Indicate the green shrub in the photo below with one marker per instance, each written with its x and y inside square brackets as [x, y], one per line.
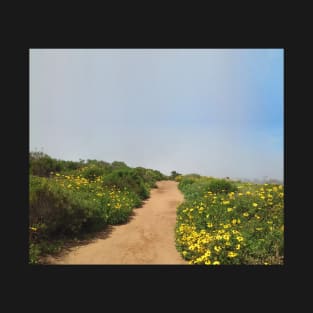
[221, 186]
[70, 199]
[185, 181]
[127, 179]
[58, 211]
[117, 165]
[91, 172]
[173, 175]
[149, 176]
[34, 253]
[242, 226]
[41, 164]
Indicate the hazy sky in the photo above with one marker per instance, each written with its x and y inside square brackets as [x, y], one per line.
[216, 112]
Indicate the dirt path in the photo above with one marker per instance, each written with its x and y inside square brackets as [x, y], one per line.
[148, 238]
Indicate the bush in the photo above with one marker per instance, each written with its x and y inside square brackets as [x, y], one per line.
[41, 164]
[173, 175]
[149, 176]
[128, 179]
[244, 226]
[56, 211]
[221, 186]
[185, 181]
[93, 171]
[70, 199]
[34, 253]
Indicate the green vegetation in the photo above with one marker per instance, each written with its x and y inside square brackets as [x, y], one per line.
[68, 199]
[173, 175]
[225, 222]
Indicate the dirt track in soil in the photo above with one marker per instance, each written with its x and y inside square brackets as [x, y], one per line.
[148, 238]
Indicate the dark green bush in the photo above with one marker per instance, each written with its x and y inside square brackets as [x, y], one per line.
[185, 182]
[91, 172]
[58, 212]
[41, 164]
[173, 175]
[117, 165]
[79, 198]
[127, 179]
[221, 186]
[34, 253]
[149, 176]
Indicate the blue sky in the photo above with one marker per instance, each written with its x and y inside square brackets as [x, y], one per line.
[216, 112]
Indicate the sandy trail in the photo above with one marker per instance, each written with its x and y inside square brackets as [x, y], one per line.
[148, 238]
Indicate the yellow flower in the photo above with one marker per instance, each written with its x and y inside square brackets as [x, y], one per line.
[255, 204]
[239, 238]
[210, 225]
[232, 254]
[258, 228]
[226, 237]
[238, 246]
[33, 228]
[257, 216]
[248, 193]
[216, 263]
[207, 262]
[245, 214]
[207, 253]
[217, 248]
[226, 202]
[229, 209]
[57, 174]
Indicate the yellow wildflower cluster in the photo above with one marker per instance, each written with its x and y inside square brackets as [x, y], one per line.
[224, 228]
[110, 200]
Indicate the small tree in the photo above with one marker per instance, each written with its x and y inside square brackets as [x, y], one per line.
[174, 174]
